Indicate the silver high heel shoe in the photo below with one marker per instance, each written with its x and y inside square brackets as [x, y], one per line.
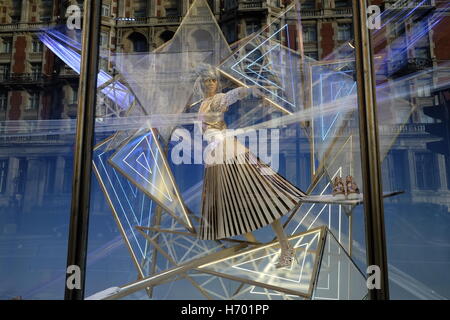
[286, 258]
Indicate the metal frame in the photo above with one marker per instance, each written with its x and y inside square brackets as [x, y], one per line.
[370, 153]
[79, 217]
[153, 131]
[200, 266]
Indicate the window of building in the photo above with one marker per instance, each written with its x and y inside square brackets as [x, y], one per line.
[68, 170]
[202, 39]
[230, 4]
[395, 172]
[345, 32]
[106, 10]
[36, 45]
[309, 34]
[403, 90]
[276, 30]
[422, 52]
[4, 71]
[171, 12]
[36, 70]
[103, 64]
[424, 86]
[313, 55]
[6, 45]
[140, 8]
[202, 11]
[342, 3]
[104, 39]
[427, 177]
[252, 26]
[50, 176]
[3, 101]
[46, 10]
[166, 35]
[33, 101]
[399, 29]
[74, 95]
[308, 4]
[398, 55]
[16, 11]
[3, 174]
[139, 41]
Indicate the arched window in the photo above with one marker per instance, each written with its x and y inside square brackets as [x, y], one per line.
[202, 39]
[166, 35]
[139, 41]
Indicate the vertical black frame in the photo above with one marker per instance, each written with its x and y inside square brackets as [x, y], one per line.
[84, 141]
[370, 152]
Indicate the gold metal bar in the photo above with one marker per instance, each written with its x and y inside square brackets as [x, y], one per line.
[157, 219]
[168, 257]
[183, 268]
[119, 224]
[255, 283]
[318, 260]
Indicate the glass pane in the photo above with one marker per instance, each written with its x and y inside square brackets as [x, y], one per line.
[204, 214]
[37, 132]
[412, 60]
[339, 277]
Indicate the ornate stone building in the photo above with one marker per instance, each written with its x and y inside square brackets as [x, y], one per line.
[36, 85]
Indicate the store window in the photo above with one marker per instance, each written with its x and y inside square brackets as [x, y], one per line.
[148, 212]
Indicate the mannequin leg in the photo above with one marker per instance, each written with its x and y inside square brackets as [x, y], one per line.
[279, 231]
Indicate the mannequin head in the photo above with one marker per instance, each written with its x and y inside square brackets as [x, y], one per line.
[208, 80]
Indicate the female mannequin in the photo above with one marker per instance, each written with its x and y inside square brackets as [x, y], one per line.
[240, 193]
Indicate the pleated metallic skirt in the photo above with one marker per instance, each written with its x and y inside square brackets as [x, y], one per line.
[243, 194]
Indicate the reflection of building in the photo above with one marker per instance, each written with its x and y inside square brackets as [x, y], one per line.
[34, 84]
